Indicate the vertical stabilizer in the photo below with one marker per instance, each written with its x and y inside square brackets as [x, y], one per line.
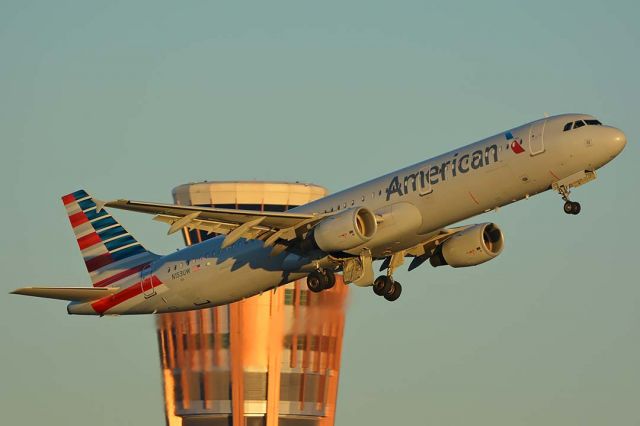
[109, 251]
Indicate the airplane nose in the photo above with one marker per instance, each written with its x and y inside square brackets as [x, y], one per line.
[617, 141]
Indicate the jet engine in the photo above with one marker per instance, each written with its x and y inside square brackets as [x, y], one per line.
[472, 246]
[345, 230]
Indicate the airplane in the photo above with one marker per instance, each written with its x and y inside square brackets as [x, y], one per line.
[403, 214]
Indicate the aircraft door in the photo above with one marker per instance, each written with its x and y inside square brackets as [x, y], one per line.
[146, 282]
[536, 138]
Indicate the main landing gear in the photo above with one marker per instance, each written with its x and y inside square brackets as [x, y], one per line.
[388, 288]
[385, 285]
[570, 207]
[322, 279]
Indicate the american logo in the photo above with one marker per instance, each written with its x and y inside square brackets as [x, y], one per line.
[515, 144]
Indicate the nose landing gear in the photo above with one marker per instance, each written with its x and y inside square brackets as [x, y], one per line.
[563, 187]
[570, 207]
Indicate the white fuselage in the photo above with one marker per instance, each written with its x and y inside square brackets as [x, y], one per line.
[413, 203]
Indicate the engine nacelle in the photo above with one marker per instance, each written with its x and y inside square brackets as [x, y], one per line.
[473, 246]
[345, 230]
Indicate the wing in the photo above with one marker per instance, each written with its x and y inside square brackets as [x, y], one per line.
[236, 224]
[73, 294]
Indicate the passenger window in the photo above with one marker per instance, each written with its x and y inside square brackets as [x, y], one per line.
[363, 198]
[567, 127]
[578, 123]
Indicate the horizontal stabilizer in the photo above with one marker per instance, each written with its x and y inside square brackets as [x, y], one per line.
[73, 294]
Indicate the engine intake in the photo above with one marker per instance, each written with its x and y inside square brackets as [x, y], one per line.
[345, 230]
[472, 246]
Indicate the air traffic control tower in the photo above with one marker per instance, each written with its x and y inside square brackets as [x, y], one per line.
[272, 359]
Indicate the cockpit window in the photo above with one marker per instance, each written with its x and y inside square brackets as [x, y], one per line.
[581, 123]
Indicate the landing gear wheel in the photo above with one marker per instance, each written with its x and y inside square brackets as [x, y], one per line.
[576, 207]
[572, 207]
[568, 207]
[316, 281]
[382, 285]
[330, 278]
[394, 293]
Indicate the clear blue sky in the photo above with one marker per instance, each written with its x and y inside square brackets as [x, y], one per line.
[128, 99]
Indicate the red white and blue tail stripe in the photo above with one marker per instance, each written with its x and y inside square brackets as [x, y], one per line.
[110, 253]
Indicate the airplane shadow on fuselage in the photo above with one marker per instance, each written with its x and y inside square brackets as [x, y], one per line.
[243, 253]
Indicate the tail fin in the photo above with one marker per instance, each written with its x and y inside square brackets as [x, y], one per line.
[109, 251]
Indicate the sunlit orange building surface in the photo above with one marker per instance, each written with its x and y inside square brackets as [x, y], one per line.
[272, 359]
